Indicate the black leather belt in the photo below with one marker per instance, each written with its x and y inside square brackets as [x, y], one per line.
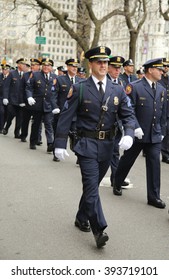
[100, 134]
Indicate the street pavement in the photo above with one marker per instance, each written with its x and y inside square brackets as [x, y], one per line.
[39, 200]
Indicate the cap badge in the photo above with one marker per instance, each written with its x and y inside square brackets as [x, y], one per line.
[102, 49]
[118, 59]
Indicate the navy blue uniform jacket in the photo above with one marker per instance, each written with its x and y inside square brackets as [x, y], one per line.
[13, 88]
[44, 92]
[62, 88]
[150, 111]
[88, 114]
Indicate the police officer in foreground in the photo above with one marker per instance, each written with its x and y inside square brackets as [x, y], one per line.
[165, 83]
[96, 101]
[149, 101]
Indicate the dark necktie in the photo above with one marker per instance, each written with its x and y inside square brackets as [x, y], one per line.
[153, 88]
[72, 82]
[46, 77]
[129, 78]
[115, 81]
[101, 88]
[20, 74]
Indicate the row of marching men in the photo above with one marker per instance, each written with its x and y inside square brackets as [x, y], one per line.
[33, 95]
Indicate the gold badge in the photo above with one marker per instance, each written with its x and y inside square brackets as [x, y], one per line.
[39, 82]
[54, 82]
[70, 93]
[118, 59]
[116, 100]
[128, 89]
[102, 49]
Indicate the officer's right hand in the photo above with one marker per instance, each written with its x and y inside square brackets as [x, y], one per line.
[61, 153]
[126, 142]
[138, 133]
[31, 101]
[5, 101]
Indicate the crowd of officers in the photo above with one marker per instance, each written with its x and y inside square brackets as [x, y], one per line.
[108, 110]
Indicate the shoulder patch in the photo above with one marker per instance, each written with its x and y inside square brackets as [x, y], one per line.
[70, 93]
[128, 89]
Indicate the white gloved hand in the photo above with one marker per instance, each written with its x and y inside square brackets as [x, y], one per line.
[5, 101]
[61, 153]
[162, 137]
[138, 133]
[22, 104]
[126, 142]
[31, 101]
[56, 111]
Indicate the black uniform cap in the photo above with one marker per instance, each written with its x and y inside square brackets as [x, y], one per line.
[99, 53]
[154, 63]
[81, 70]
[5, 66]
[22, 61]
[128, 62]
[47, 61]
[35, 61]
[165, 62]
[72, 62]
[116, 61]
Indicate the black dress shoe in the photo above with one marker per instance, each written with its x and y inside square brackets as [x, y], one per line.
[56, 159]
[39, 143]
[166, 160]
[83, 226]
[117, 190]
[5, 131]
[32, 147]
[17, 136]
[125, 184]
[50, 148]
[101, 238]
[157, 203]
[23, 139]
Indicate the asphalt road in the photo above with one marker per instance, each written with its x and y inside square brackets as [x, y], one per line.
[39, 200]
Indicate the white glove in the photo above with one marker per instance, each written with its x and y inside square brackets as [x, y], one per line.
[56, 111]
[138, 133]
[31, 101]
[22, 104]
[162, 137]
[5, 101]
[61, 153]
[126, 142]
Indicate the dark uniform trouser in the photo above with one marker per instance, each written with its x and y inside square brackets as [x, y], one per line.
[14, 111]
[36, 123]
[116, 156]
[165, 143]
[90, 205]
[25, 123]
[152, 167]
[2, 113]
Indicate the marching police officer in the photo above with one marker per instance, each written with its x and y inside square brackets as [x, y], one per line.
[114, 68]
[96, 101]
[27, 110]
[165, 83]
[12, 97]
[63, 85]
[149, 101]
[41, 96]
[128, 76]
[3, 76]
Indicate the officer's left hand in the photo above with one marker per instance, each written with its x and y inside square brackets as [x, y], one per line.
[61, 153]
[22, 104]
[126, 142]
[56, 111]
[138, 133]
